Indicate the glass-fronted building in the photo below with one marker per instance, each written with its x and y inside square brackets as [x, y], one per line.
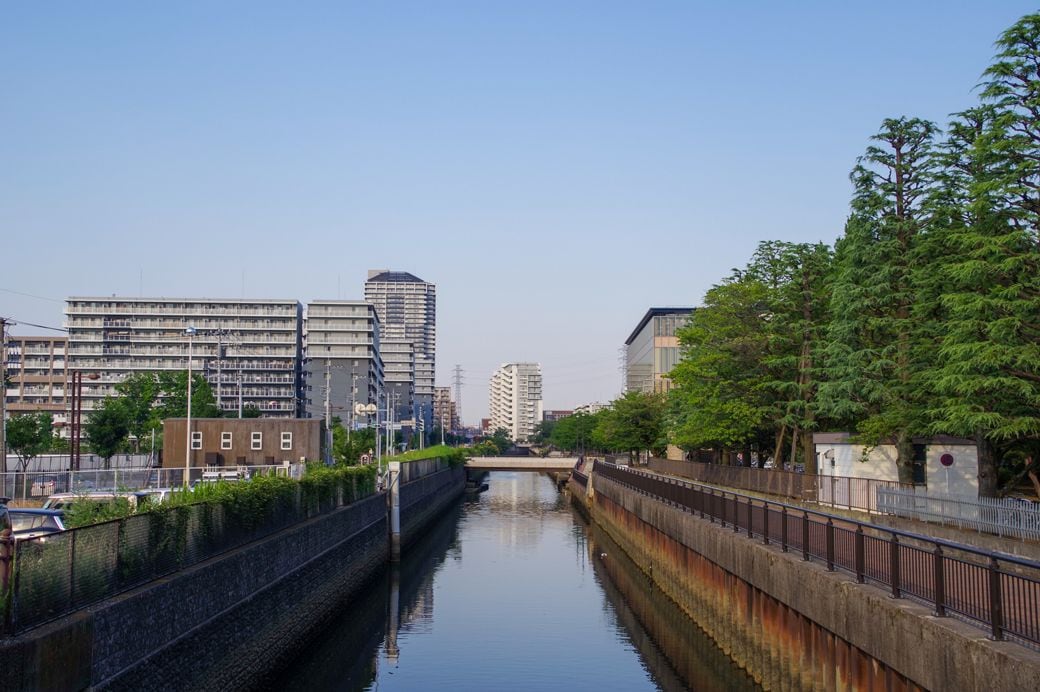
[652, 350]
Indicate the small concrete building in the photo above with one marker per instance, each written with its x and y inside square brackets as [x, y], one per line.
[948, 465]
[241, 441]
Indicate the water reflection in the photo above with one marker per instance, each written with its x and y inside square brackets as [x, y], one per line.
[530, 604]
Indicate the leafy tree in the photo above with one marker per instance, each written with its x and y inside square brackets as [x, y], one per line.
[576, 432]
[107, 428]
[250, 411]
[718, 400]
[500, 438]
[876, 350]
[349, 451]
[29, 435]
[173, 401]
[989, 370]
[543, 432]
[634, 423]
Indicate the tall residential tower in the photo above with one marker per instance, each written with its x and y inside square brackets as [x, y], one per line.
[407, 309]
[516, 399]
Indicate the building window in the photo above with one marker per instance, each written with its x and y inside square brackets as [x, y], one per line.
[286, 440]
[196, 440]
[257, 441]
[225, 440]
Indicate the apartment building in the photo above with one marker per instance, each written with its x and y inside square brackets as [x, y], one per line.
[652, 350]
[553, 416]
[248, 349]
[341, 355]
[36, 376]
[407, 309]
[516, 399]
[399, 361]
[445, 413]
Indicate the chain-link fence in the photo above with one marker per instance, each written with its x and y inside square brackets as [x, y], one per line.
[35, 487]
[58, 573]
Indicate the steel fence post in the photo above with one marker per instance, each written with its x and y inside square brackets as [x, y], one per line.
[996, 601]
[750, 517]
[805, 535]
[893, 566]
[939, 575]
[783, 528]
[830, 544]
[765, 522]
[861, 555]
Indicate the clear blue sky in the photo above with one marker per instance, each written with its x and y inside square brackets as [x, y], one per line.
[555, 168]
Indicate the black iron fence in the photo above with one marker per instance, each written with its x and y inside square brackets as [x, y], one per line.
[834, 491]
[996, 591]
[48, 576]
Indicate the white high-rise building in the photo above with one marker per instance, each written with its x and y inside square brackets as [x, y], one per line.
[516, 399]
[407, 309]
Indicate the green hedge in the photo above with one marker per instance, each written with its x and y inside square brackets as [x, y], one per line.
[453, 455]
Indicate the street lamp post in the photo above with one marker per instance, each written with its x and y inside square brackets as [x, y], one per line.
[190, 332]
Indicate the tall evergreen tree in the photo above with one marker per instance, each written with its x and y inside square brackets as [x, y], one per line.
[989, 372]
[875, 352]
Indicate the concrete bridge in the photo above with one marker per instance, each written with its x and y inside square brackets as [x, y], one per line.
[539, 464]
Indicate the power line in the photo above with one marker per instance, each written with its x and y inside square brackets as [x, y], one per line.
[11, 320]
[31, 295]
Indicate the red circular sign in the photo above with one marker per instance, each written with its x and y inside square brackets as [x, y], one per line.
[946, 460]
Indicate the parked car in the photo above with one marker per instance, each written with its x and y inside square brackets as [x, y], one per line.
[31, 523]
[66, 500]
[152, 495]
[44, 485]
[5, 519]
[217, 477]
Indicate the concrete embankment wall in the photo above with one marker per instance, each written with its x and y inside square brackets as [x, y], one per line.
[424, 498]
[225, 623]
[792, 624]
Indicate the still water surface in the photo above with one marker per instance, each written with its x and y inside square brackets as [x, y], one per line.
[512, 590]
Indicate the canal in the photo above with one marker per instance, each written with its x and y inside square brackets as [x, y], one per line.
[512, 590]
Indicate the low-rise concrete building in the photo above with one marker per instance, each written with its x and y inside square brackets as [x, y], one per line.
[948, 465]
[241, 441]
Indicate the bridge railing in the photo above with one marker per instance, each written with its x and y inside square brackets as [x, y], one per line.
[996, 591]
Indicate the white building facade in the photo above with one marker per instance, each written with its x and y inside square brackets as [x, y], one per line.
[249, 350]
[516, 399]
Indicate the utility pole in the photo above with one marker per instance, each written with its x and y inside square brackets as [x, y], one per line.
[3, 395]
[458, 394]
[353, 401]
[328, 412]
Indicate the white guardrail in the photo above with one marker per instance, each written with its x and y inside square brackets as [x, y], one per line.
[1002, 516]
[39, 485]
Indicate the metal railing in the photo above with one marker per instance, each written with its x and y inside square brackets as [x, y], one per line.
[56, 574]
[36, 486]
[996, 591]
[1002, 516]
[842, 492]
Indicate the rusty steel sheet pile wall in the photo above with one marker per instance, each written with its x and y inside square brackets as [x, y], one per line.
[792, 623]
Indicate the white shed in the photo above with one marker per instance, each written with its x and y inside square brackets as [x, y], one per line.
[949, 465]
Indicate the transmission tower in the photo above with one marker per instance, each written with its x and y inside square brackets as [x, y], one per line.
[457, 383]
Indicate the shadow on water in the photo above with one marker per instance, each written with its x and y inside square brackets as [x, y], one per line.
[345, 655]
[676, 652]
